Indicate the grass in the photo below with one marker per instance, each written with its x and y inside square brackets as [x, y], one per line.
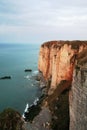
[58, 44]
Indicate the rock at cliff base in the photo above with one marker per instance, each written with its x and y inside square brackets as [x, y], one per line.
[27, 70]
[5, 77]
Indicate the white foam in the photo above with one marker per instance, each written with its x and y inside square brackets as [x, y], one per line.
[32, 84]
[36, 100]
[23, 116]
[27, 77]
[35, 72]
[26, 108]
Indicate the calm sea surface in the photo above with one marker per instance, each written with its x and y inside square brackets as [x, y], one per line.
[22, 88]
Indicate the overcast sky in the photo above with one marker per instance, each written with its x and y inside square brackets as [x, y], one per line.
[36, 21]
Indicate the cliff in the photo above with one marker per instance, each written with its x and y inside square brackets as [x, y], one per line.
[64, 67]
[57, 60]
[78, 94]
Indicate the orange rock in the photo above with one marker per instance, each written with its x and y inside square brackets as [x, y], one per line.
[57, 59]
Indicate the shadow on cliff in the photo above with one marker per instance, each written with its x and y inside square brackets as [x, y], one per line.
[58, 103]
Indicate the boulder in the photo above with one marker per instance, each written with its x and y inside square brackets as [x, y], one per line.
[27, 70]
[5, 77]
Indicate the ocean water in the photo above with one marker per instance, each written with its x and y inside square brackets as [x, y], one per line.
[22, 88]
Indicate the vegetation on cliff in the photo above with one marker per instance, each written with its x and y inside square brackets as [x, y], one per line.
[58, 44]
[82, 57]
[60, 112]
[10, 120]
[58, 103]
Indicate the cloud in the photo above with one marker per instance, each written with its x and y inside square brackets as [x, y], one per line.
[30, 20]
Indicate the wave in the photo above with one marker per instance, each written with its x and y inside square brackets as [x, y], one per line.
[27, 76]
[26, 110]
[27, 107]
[35, 72]
[36, 101]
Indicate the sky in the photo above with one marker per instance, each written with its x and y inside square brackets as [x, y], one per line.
[37, 21]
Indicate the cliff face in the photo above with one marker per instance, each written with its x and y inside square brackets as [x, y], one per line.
[78, 94]
[57, 58]
[65, 64]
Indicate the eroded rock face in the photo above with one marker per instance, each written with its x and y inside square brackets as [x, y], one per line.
[57, 59]
[78, 94]
[57, 62]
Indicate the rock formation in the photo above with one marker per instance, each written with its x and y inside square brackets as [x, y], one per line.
[57, 59]
[10, 120]
[57, 62]
[78, 94]
[63, 65]
[5, 77]
[27, 70]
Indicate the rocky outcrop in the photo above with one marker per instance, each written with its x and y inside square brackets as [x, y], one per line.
[5, 77]
[27, 70]
[57, 59]
[78, 94]
[10, 120]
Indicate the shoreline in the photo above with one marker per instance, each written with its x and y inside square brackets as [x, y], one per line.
[52, 109]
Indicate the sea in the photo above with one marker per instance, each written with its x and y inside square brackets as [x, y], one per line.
[22, 88]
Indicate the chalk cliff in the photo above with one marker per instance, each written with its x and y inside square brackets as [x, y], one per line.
[57, 59]
[78, 94]
[64, 63]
